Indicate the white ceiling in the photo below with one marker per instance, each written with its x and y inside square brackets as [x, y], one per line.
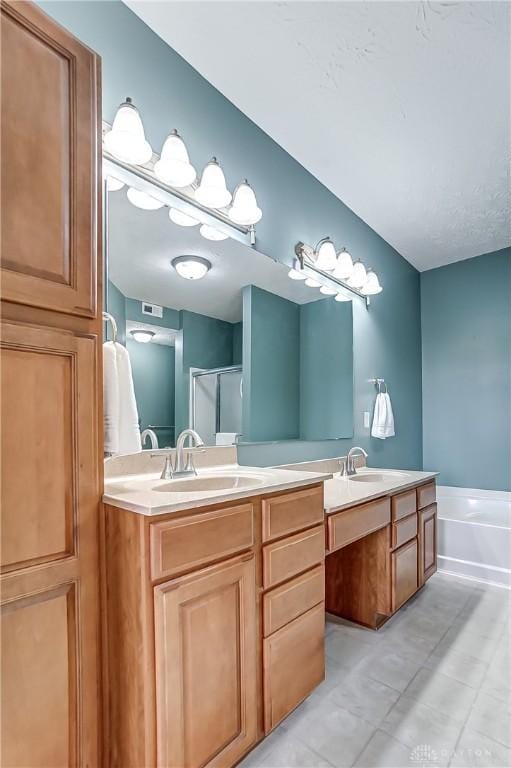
[400, 108]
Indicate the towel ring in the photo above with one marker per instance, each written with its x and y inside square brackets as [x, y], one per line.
[108, 318]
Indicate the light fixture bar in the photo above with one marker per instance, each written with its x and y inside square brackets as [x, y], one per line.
[144, 178]
[305, 262]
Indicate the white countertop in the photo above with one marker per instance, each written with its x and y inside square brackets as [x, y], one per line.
[341, 493]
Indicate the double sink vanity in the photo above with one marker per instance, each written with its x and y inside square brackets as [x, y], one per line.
[217, 586]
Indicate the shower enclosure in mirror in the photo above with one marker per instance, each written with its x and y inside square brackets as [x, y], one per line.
[222, 341]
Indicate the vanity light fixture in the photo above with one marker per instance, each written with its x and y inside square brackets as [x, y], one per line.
[191, 267]
[311, 283]
[327, 290]
[126, 139]
[174, 165]
[344, 265]
[372, 285]
[142, 336]
[211, 233]
[325, 255]
[358, 276]
[142, 200]
[212, 190]
[113, 184]
[244, 209]
[342, 297]
[297, 274]
[181, 218]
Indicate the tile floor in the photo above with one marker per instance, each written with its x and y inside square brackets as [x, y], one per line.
[431, 688]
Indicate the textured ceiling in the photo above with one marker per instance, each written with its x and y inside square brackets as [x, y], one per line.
[402, 109]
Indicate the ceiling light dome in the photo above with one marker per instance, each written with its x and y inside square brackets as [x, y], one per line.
[326, 257]
[244, 209]
[143, 336]
[143, 200]
[183, 219]
[174, 167]
[344, 265]
[358, 276]
[372, 285]
[212, 190]
[211, 233]
[297, 274]
[126, 139]
[191, 267]
[311, 283]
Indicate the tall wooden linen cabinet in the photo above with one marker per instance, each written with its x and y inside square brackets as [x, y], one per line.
[51, 449]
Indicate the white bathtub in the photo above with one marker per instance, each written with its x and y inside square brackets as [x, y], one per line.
[474, 534]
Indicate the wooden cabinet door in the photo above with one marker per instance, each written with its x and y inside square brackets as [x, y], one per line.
[405, 573]
[49, 564]
[427, 542]
[49, 148]
[206, 695]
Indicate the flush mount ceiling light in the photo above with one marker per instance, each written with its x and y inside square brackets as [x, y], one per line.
[244, 209]
[174, 165]
[126, 140]
[143, 200]
[372, 285]
[326, 257]
[212, 190]
[358, 276]
[191, 267]
[327, 290]
[297, 274]
[311, 283]
[344, 265]
[183, 219]
[211, 233]
[142, 336]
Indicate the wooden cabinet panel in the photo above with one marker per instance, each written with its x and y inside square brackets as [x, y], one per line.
[356, 522]
[284, 559]
[427, 542]
[404, 504]
[404, 530]
[206, 665]
[292, 512]
[190, 542]
[293, 665]
[290, 600]
[405, 580]
[49, 180]
[426, 495]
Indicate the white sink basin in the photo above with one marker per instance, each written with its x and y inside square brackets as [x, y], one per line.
[210, 483]
[377, 477]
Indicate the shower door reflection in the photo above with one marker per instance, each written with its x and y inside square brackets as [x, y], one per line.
[215, 406]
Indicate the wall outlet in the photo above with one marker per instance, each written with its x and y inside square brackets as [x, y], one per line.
[367, 419]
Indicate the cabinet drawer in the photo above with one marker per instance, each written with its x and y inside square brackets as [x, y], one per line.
[190, 542]
[292, 512]
[426, 495]
[404, 504]
[293, 665]
[404, 530]
[352, 524]
[405, 581]
[284, 559]
[287, 602]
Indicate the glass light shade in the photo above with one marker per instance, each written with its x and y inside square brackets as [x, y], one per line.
[358, 276]
[210, 233]
[174, 167]
[311, 283]
[113, 184]
[244, 209]
[326, 257]
[191, 267]
[143, 336]
[126, 140]
[183, 219]
[297, 274]
[342, 297]
[143, 200]
[212, 191]
[372, 285]
[327, 291]
[344, 266]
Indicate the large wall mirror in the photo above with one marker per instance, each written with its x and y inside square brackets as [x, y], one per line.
[243, 354]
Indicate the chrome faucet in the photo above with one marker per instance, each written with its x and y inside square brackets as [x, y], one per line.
[348, 467]
[180, 468]
[152, 437]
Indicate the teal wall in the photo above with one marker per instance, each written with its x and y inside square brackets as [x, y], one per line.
[153, 369]
[326, 370]
[271, 367]
[237, 343]
[466, 370]
[296, 206]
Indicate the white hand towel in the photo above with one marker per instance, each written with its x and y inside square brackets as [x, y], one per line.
[383, 417]
[129, 430]
[226, 438]
[110, 398]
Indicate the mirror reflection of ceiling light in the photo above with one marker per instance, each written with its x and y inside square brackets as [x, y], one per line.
[327, 290]
[113, 184]
[212, 190]
[372, 285]
[211, 233]
[183, 219]
[342, 297]
[358, 276]
[142, 336]
[311, 283]
[126, 140]
[191, 267]
[344, 265]
[326, 257]
[174, 167]
[297, 274]
[143, 200]
[244, 209]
